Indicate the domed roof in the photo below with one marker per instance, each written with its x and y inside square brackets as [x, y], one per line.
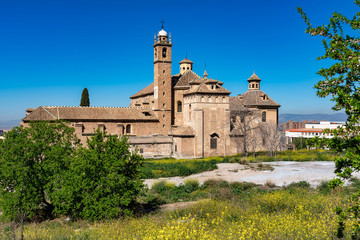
[185, 60]
[162, 33]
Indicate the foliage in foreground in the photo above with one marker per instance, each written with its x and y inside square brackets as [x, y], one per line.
[103, 180]
[340, 38]
[44, 173]
[32, 165]
[250, 213]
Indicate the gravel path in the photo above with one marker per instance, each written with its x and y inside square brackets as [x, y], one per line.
[283, 174]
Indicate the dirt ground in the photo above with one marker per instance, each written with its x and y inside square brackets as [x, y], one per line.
[283, 174]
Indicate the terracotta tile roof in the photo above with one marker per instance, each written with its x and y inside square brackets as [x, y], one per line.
[305, 130]
[183, 131]
[254, 77]
[145, 91]
[187, 78]
[149, 90]
[204, 88]
[236, 104]
[90, 113]
[257, 98]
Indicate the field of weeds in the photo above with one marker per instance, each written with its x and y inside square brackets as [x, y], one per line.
[223, 211]
[229, 211]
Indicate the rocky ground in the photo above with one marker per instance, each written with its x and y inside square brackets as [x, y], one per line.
[283, 173]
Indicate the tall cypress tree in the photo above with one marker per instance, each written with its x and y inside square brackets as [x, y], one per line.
[85, 101]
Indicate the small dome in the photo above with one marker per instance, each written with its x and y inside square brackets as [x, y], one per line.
[185, 60]
[162, 33]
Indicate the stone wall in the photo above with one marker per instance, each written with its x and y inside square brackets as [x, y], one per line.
[152, 146]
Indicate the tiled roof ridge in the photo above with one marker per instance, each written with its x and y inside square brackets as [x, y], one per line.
[191, 71]
[49, 112]
[203, 81]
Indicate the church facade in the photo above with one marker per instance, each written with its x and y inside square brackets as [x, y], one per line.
[182, 115]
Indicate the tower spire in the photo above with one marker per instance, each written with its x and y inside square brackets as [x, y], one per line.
[162, 24]
[205, 73]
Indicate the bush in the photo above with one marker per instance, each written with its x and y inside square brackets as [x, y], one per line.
[241, 187]
[300, 184]
[191, 184]
[324, 187]
[270, 184]
[355, 183]
[151, 201]
[162, 186]
[103, 180]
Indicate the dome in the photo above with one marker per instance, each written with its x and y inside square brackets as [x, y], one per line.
[185, 60]
[162, 33]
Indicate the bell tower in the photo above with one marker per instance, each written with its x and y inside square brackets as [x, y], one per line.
[162, 79]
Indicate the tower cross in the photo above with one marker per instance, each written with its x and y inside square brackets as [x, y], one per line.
[162, 24]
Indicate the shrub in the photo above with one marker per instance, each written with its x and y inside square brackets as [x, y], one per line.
[355, 183]
[191, 184]
[324, 188]
[103, 180]
[151, 201]
[241, 187]
[300, 184]
[162, 186]
[270, 184]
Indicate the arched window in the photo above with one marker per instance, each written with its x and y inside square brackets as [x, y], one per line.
[164, 52]
[213, 141]
[263, 117]
[179, 106]
[128, 128]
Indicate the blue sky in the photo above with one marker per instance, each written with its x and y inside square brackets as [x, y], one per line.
[51, 50]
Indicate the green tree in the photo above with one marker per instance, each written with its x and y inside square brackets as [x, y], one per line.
[340, 38]
[32, 163]
[103, 181]
[300, 143]
[85, 101]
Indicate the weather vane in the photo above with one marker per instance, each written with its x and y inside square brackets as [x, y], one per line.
[162, 24]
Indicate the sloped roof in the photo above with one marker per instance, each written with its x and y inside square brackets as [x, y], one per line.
[187, 78]
[149, 90]
[254, 77]
[236, 104]
[145, 91]
[203, 88]
[90, 114]
[183, 131]
[256, 98]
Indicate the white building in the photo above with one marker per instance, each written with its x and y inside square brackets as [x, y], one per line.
[313, 130]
